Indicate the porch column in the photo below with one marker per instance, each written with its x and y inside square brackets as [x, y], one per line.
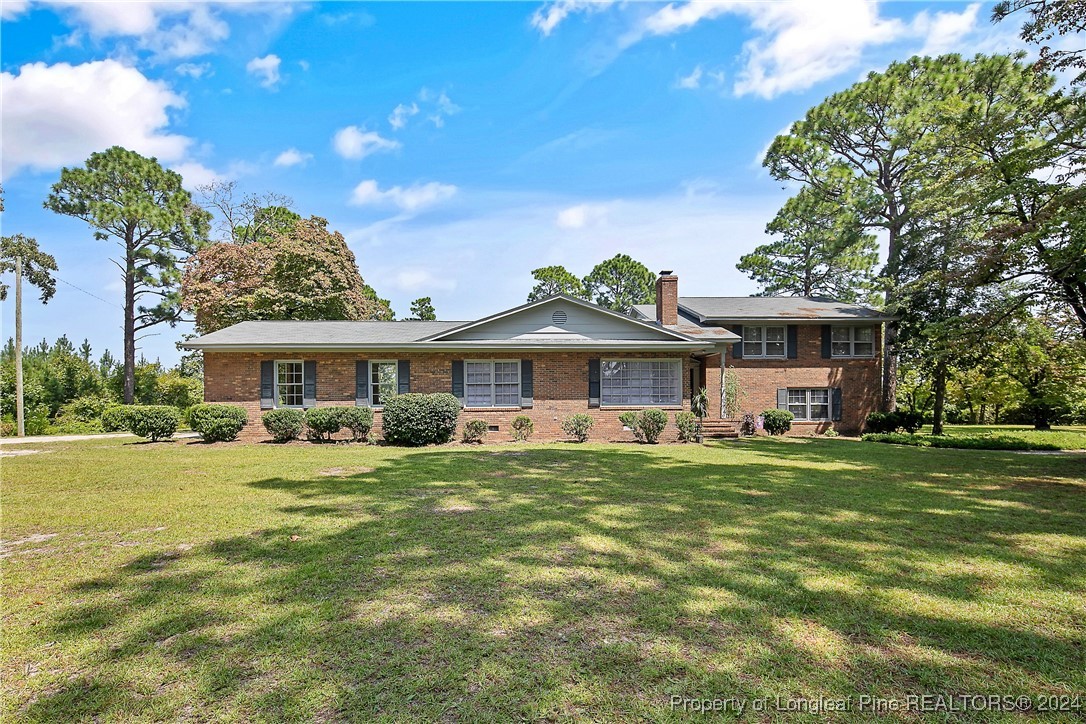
[711, 365]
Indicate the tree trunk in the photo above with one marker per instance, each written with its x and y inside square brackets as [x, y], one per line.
[129, 325]
[889, 342]
[20, 416]
[940, 398]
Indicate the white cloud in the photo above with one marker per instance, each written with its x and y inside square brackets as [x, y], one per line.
[944, 31]
[193, 70]
[550, 15]
[354, 143]
[195, 174]
[417, 279]
[265, 69]
[57, 115]
[692, 81]
[409, 199]
[292, 157]
[398, 118]
[165, 29]
[581, 215]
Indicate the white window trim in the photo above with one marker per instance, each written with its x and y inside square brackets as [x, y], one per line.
[671, 360]
[807, 415]
[852, 341]
[373, 362]
[763, 341]
[493, 383]
[275, 379]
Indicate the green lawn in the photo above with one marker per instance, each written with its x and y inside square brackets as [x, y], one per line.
[260, 582]
[1064, 437]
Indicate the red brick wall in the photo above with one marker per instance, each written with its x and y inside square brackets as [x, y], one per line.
[560, 382]
[860, 380]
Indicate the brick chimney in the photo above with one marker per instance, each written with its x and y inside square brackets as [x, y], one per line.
[667, 298]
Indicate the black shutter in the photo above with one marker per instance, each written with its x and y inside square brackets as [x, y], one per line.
[793, 339]
[403, 377]
[267, 384]
[527, 386]
[309, 383]
[737, 348]
[458, 379]
[835, 404]
[782, 398]
[362, 383]
[827, 341]
[593, 383]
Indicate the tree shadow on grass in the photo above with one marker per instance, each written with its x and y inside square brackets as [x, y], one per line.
[561, 582]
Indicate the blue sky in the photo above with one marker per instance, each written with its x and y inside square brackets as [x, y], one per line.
[457, 146]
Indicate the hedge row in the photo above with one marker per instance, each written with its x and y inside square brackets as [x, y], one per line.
[962, 442]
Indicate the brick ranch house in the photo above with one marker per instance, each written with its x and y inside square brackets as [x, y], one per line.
[559, 356]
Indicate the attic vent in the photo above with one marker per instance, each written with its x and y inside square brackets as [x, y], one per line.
[559, 317]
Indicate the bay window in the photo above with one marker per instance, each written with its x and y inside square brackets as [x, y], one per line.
[641, 382]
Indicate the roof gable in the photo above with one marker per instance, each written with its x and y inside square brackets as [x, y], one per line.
[558, 319]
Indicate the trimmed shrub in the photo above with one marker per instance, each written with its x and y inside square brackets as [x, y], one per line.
[323, 423]
[909, 420]
[523, 427]
[748, 424]
[777, 422]
[577, 426]
[629, 420]
[217, 423]
[879, 423]
[156, 422]
[284, 424]
[831, 433]
[652, 422]
[115, 418]
[359, 420]
[420, 419]
[474, 430]
[687, 423]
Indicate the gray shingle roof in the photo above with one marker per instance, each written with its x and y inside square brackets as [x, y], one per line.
[768, 308]
[319, 333]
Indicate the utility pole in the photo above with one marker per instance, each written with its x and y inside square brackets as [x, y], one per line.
[19, 347]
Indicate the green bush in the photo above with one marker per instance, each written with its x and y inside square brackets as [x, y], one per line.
[885, 422]
[777, 422]
[897, 438]
[217, 423]
[629, 421]
[474, 430]
[284, 424]
[831, 433]
[359, 420]
[577, 426]
[63, 425]
[323, 423]
[523, 427]
[652, 422]
[115, 418]
[687, 423]
[420, 419]
[748, 424]
[88, 408]
[155, 422]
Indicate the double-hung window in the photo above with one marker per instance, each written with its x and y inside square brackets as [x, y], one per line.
[853, 342]
[384, 382]
[641, 382]
[809, 404]
[493, 383]
[763, 341]
[288, 383]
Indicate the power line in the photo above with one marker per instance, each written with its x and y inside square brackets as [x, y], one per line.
[88, 293]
